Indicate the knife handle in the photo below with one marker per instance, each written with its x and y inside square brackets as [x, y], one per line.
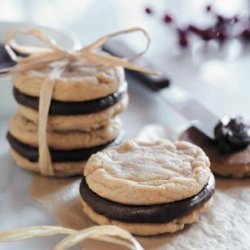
[6, 62]
[153, 82]
[5, 59]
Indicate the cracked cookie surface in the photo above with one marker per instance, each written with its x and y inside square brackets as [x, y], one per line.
[142, 173]
[80, 84]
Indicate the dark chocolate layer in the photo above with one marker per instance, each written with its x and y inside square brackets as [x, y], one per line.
[73, 108]
[162, 213]
[31, 153]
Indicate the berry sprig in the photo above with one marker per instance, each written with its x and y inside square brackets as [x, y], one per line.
[224, 28]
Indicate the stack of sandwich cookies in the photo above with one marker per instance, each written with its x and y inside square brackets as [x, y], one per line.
[147, 188]
[82, 117]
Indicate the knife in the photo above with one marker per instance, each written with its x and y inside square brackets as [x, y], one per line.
[6, 62]
[8, 58]
[199, 116]
[153, 82]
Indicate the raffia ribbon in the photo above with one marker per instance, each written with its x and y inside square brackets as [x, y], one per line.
[111, 234]
[59, 59]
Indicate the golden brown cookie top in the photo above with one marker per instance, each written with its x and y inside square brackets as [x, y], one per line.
[143, 173]
[81, 83]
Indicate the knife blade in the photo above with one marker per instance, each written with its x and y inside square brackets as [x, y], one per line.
[197, 114]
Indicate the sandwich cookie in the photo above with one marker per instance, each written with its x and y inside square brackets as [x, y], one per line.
[77, 83]
[234, 164]
[147, 188]
[84, 97]
[69, 149]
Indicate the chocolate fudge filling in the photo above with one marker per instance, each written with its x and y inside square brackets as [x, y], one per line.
[162, 213]
[82, 154]
[73, 108]
[232, 134]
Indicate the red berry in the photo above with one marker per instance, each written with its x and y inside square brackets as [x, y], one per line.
[236, 19]
[183, 40]
[148, 10]
[208, 8]
[221, 36]
[220, 19]
[167, 19]
[246, 34]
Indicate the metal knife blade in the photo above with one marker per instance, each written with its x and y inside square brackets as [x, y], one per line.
[199, 116]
